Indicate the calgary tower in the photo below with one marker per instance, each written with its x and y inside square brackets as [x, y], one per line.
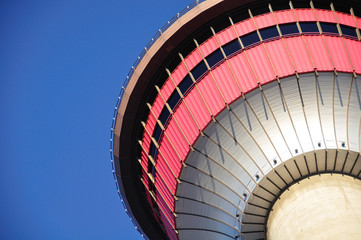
[241, 119]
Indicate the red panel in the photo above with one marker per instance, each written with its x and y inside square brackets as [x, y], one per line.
[176, 137]
[354, 49]
[193, 59]
[146, 141]
[163, 160]
[209, 46]
[305, 15]
[197, 108]
[170, 154]
[279, 58]
[168, 223]
[164, 211]
[299, 54]
[226, 82]
[319, 53]
[157, 106]
[211, 95]
[264, 20]
[163, 190]
[151, 122]
[345, 19]
[245, 27]
[243, 72]
[325, 16]
[179, 73]
[226, 36]
[167, 89]
[144, 159]
[285, 16]
[187, 124]
[261, 65]
[338, 54]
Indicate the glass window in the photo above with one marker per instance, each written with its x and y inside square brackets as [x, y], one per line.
[199, 70]
[173, 99]
[185, 84]
[269, 32]
[309, 27]
[329, 27]
[350, 31]
[232, 47]
[163, 117]
[214, 58]
[250, 39]
[290, 28]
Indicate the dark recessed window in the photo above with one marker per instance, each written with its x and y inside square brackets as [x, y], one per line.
[290, 28]
[199, 70]
[152, 151]
[232, 47]
[185, 84]
[214, 58]
[164, 115]
[350, 31]
[269, 32]
[157, 132]
[250, 39]
[329, 28]
[309, 27]
[173, 99]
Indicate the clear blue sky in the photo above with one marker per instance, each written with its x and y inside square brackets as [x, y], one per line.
[62, 64]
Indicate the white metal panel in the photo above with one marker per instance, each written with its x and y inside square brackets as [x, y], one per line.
[277, 104]
[325, 101]
[341, 96]
[293, 100]
[308, 88]
[354, 114]
[265, 129]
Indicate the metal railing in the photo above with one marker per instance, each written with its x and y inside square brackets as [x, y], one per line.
[129, 76]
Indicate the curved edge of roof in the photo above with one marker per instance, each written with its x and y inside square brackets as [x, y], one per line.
[125, 116]
[127, 110]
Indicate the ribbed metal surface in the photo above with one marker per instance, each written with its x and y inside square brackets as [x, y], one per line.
[266, 142]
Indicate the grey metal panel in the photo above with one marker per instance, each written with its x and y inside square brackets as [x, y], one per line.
[185, 221]
[224, 165]
[200, 234]
[311, 161]
[232, 148]
[325, 102]
[331, 157]
[202, 209]
[340, 160]
[208, 166]
[246, 139]
[208, 148]
[321, 160]
[350, 161]
[232, 191]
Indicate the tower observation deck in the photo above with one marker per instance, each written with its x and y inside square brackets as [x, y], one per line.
[242, 120]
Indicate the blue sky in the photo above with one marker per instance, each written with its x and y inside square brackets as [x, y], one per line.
[62, 64]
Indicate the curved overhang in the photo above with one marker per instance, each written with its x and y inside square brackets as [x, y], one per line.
[132, 108]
